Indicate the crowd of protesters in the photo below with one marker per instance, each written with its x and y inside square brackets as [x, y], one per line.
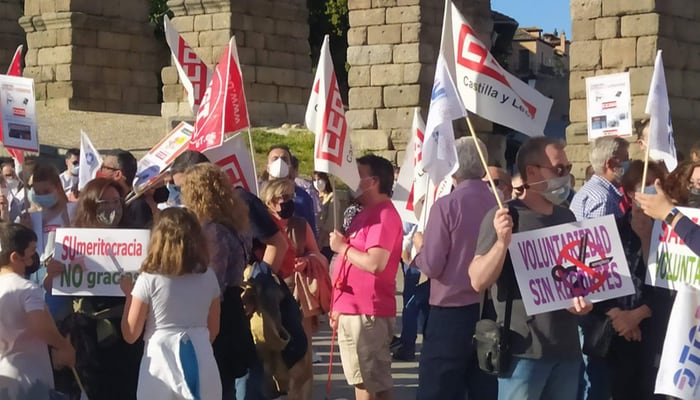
[233, 286]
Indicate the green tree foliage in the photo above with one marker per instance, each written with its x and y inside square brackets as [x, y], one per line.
[330, 17]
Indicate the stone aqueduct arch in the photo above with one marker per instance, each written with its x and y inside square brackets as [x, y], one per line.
[91, 55]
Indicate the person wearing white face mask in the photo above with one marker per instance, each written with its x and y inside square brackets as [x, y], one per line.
[545, 349]
[14, 191]
[279, 161]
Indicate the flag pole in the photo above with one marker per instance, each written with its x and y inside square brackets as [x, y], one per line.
[335, 203]
[484, 163]
[252, 156]
[424, 210]
[646, 159]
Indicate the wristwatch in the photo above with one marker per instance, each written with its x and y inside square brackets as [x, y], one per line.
[671, 215]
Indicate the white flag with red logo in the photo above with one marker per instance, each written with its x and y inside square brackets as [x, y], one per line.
[325, 117]
[223, 109]
[412, 183]
[15, 69]
[486, 88]
[233, 157]
[194, 73]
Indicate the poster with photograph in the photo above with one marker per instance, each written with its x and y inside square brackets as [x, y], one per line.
[18, 113]
[609, 105]
[159, 158]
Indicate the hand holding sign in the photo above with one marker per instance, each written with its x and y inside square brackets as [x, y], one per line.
[581, 306]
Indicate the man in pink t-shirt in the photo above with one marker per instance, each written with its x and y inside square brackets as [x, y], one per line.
[364, 277]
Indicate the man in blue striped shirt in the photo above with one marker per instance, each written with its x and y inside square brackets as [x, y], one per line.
[600, 195]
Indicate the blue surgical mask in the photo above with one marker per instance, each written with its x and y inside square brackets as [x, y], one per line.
[625, 165]
[43, 200]
[75, 170]
[174, 195]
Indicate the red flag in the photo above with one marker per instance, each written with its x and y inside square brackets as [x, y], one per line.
[223, 109]
[15, 69]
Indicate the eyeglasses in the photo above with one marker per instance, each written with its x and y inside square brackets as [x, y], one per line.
[558, 170]
[75, 163]
[110, 168]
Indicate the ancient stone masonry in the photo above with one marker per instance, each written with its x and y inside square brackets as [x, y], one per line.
[623, 35]
[93, 55]
[393, 47]
[272, 40]
[11, 34]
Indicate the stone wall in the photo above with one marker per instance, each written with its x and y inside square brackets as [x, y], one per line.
[393, 47]
[93, 55]
[11, 34]
[623, 35]
[272, 40]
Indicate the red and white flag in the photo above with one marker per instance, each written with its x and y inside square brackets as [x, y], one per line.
[485, 87]
[412, 184]
[325, 117]
[194, 73]
[223, 109]
[15, 69]
[233, 157]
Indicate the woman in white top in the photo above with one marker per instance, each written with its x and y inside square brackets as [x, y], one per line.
[176, 297]
[25, 326]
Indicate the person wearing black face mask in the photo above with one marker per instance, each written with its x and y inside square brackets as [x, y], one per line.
[303, 263]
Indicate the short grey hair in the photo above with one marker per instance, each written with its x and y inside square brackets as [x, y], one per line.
[603, 149]
[470, 166]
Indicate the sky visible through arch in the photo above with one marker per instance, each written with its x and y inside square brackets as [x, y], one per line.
[546, 14]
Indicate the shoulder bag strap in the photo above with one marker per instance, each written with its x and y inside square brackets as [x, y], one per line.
[510, 290]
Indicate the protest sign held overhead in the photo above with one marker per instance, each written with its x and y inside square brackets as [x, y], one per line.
[609, 105]
[15, 69]
[679, 370]
[95, 259]
[159, 158]
[90, 161]
[223, 109]
[439, 151]
[411, 184]
[554, 264]
[325, 117]
[18, 113]
[661, 145]
[486, 88]
[193, 72]
[233, 157]
[671, 262]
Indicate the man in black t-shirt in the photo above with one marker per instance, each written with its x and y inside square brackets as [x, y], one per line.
[545, 347]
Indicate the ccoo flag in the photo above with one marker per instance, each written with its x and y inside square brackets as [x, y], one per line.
[194, 73]
[412, 183]
[661, 144]
[439, 152]
[325, 117]
[486, 88]
[223, 109]
[679, 370]
[90, 161]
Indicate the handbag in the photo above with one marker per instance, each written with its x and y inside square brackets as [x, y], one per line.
[491, 340]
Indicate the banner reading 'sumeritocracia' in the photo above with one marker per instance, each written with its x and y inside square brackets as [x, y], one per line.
[95, 259]
[671, 262]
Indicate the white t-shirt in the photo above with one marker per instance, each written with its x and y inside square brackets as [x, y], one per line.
[24, 358]
[43, 227]
[176, 301]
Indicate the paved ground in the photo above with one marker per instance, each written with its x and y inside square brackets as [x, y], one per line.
[405, 373]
